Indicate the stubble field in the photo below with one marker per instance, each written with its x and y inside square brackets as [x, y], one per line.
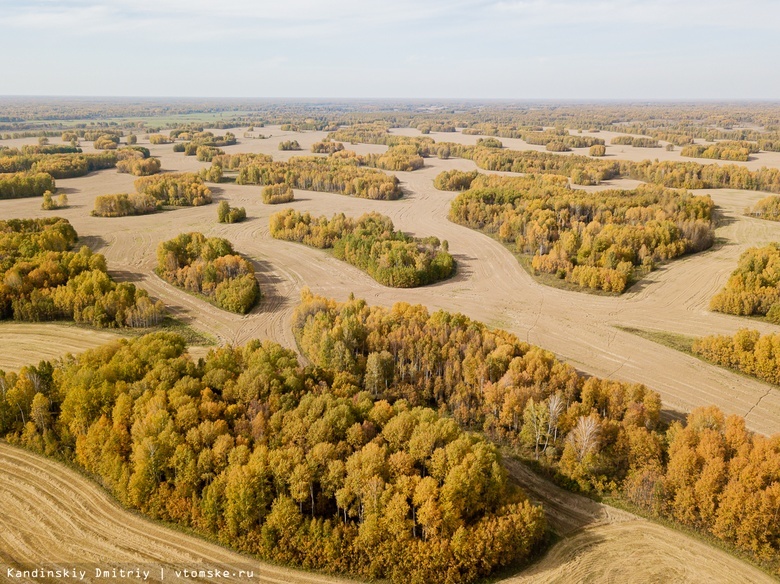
[490, 286]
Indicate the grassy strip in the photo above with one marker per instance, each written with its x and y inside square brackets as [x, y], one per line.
[174, 325]
[684, 344]
[676, 341]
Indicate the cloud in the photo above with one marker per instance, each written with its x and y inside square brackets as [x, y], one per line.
[480, 48]
[289, 18]
[690, 14]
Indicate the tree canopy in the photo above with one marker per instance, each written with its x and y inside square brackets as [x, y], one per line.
[370, 243]
[209, 266]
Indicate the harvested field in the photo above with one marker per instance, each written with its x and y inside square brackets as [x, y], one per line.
[603, 544]
[48, 507]
[54, 517]
[637, 551]
[27, 343]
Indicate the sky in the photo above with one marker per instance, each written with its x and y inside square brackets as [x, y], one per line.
[472, 49]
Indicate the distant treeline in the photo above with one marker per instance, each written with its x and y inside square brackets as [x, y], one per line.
[340, 173]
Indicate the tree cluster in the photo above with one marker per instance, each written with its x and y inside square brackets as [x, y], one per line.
[276, 194]
[124, 204]
[326, 147]
[721, 151]
[228, 214]
[32, 149]
[289, 145]
[747, 351]
[378, 133]
[239, 160]
[692, 175]
[198, 140]
[597, 150]
[710, 474]
[594, 240]
[50, 204]
[754, 286]
[57, 165]
[43, 280]
[370, 243]
[585, 170]
[719, 478]
[138, 165]
[106, 142]
[207, 153]
[334, 174]
[488, 380]
[428, 126]
[159, 139]
[298, 466]
[767, 208]
[635, 142]
[179, 189]
[25, 184]
[581, 169]
[399, 158]
[73, 165]
[454, 180]
[560, 141]
[209, 266]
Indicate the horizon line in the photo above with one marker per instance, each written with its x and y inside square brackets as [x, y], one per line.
[429, 99]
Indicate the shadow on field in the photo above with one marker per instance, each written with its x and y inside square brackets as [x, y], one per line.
[670, 415]
[462, 270]
[644, 282]
[93, 242]
[272, 301]
[125, 276]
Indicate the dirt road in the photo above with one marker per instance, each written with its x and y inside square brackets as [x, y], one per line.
[606, 545]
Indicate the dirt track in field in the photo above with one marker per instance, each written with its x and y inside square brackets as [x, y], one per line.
[607, 545]
[603, 544]
[637, 551]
